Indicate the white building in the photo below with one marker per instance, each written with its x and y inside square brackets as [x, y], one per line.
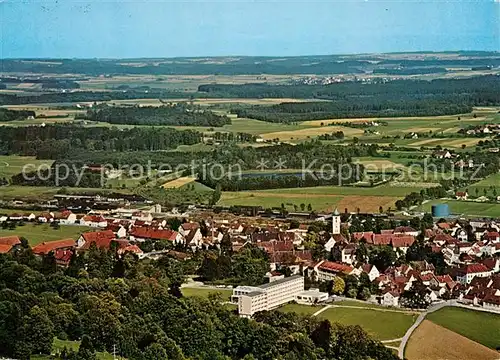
[336, 222]
[312, 296]
[470, 271]
[252, 299]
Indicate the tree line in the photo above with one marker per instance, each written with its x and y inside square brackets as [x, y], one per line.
[59, 140]
[171, 114]
[13, 115]
[110, 302]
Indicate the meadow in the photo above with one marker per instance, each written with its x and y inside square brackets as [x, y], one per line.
[13, 164]
[478, 326]
[379, 324]
[38, 233]
[469, 208]
[202, 292]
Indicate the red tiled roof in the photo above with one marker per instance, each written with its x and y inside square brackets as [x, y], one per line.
[131, 248]
[46, 247]
[93, 218]
[474, 268]
[444, 226]
[273, 246]
[10, 240]
[153, 233]
[190, 226]
[491, 235]
[65, 214]
[402, 241]
[100, 238]
[336, 267]
[360, 235]
[63, 257]
[5, 248]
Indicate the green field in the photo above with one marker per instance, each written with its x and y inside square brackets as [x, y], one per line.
[481, 327]
[58, 345]
[321, 198]
[469, 208]
[188, 291]
[13, 164]
[379, 324]
[489, 184]
[300, 309]
[43, 232]
[46, 193]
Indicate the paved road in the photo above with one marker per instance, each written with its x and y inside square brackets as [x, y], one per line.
[421, 317]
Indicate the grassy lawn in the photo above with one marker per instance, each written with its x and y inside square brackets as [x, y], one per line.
[481, 327]
[13, 164]
[59, 345]
[380, 325]
[300, 309]
[358, 304]
[187, 291]
[489, 184]
[40, 233]
[469, 208]
[321, 198]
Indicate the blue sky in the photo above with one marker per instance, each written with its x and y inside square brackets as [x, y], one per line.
[114, 29]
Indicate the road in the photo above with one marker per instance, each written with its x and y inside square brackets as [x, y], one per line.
[421, 317]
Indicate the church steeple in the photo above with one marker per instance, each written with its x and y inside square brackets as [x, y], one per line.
[336, 222]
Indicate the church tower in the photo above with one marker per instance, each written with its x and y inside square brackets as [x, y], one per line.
[336, 222]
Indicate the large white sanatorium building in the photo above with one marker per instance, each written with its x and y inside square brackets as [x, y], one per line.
[252, 299]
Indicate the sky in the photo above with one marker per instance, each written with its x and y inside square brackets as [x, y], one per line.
[164, 28]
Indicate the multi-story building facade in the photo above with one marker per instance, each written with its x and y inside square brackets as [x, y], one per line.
[252, 299]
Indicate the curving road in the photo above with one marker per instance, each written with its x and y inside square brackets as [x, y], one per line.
[421, 317]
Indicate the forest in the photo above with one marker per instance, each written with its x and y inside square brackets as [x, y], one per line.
[111, 302]
[343, 109]
[13, 115]
[54, 141]
[170, 114]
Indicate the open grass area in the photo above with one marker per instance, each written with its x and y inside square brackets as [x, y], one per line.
[178, 182]
[489, 186]
[322, 198]
[434, 342]
[469, 208]
[13, 164]
[478, 326]
[381, 325]
[38, 233]
[58, 345]
[191, 291]
[300, 309]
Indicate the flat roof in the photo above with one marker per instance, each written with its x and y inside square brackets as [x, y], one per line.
[254, 293]
[281, 281]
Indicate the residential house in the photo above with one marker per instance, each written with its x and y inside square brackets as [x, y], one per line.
[390, 298]
[328, 270]
[96, 221]
[371, 271]
[67, 218]
[465, 274]
[461, 195]
[144, 233]
[102, 239]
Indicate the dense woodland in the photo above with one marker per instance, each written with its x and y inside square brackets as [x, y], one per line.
[55, 141]
[172, 114]
[13, 115]
[343, 109]
[111, 302]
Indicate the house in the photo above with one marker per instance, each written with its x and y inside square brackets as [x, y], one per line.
[67, 218]
[371, 271]
[444, 154]
[144, 233]
[465, 274]
[328, 270]
[390, 298]
[96, 221]
[102, 239]
[51, 246]
[119, 230]
[132, 249]
[10, 240]
[461, 195]
[348, 254]
[142, 216]
[45, 218]
[405, 230]
[29, 217]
